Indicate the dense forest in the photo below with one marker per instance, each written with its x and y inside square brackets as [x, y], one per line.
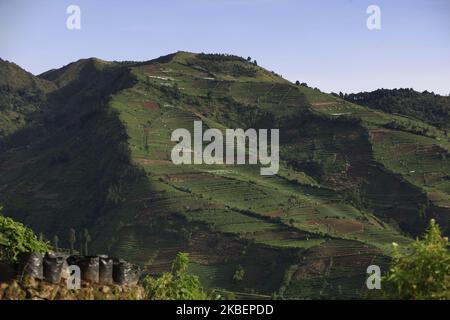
[426, 106]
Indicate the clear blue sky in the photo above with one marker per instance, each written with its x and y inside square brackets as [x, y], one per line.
[322, 42]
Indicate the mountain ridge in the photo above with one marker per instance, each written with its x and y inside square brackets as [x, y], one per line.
[102, 162]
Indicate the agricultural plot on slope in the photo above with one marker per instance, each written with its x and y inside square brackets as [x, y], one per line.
[231, 221]
[336, 269]
[150, 130]
[267, 196]
[335, 107]
[251, 227]
[294, 243]
[212, 276]
[419, 159]
[323, 151]
[203, 87]
[263, 271]
[209, 189]
[273, 97]
[250, 93]
[335, 219]
[232, 192]
[153, 249]
[283, 100]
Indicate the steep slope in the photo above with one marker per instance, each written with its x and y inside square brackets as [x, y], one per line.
[99, 158]
[75, 71]
[411, 152]
[21, 95]
[57, 171]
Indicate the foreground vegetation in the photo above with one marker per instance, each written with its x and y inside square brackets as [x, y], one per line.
[422, 274]
[419, 272]
[15, 238]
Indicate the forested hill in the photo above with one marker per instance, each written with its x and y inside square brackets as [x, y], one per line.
[426, 106]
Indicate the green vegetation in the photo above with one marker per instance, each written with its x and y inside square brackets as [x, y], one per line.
[422, 274]
[21, 95]
[426, 106]
[72, 239]
[16, 238]
[96, 156]
[239, 274]
[86, 240]
[55, 242]
[175, 285]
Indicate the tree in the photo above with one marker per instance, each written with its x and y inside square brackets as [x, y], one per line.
[249, 58]
[111, 244]
[72, 240]
[114, 195]
[175, 285]
[426, 106]
[209, 96]
[239, 274]
[186, 234]
[146, 130]
[255, 62]
[422, 274]
[87, 239]
[55, 242]
[176, 88]
[291, 222]
[297, 83]
[81, 244]
[147, 83]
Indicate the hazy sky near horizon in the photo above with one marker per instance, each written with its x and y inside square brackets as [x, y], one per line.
[322, 42]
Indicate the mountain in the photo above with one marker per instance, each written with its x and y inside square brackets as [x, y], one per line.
[95, 154]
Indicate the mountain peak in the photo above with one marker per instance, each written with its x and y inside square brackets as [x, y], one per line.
[74, 70]
[15, 77]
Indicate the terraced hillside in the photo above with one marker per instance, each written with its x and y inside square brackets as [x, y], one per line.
[351, 181]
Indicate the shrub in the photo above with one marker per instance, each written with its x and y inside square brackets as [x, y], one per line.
[239, 274]
[422, 274]
[175, 285]
[114, 195]
[17, 238]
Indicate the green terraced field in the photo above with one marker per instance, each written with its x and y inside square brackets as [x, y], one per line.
[352, 180]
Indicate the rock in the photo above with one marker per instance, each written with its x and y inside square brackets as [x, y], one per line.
[3, 287]
[105, 289]
[29, 282]
[35, 289]
[54, 292]
[14, 292]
